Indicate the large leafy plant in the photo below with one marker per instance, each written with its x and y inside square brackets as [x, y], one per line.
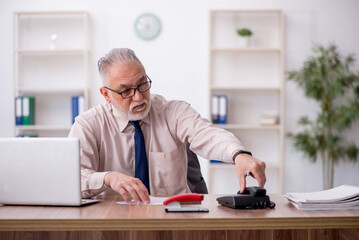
[327, 78]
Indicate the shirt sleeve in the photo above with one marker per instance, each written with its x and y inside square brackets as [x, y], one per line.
[206, 140]
[92, 181]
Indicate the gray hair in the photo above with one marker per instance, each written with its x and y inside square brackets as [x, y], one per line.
[116, 56]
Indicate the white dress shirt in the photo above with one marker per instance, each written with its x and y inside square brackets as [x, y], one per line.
[107, 144]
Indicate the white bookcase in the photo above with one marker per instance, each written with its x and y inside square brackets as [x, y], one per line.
[51, 53]
[252, 79]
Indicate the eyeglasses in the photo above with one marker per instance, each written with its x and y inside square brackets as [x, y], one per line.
[132, 91]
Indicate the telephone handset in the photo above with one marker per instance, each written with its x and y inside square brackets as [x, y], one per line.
[251, 198]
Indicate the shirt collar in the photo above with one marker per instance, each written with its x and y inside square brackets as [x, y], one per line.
[123, 123]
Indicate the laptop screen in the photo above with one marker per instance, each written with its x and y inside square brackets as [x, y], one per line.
[40, 171]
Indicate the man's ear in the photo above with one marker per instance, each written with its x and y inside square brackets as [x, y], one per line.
[104, 93]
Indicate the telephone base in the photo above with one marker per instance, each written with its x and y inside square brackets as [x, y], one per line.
[246, 202]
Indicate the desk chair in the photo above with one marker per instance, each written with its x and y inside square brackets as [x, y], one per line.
[195, 179]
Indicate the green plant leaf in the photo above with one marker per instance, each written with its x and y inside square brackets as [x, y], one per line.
[244, 32]
[306, 143]
[345, 115]
[352, 152]
[304, 121]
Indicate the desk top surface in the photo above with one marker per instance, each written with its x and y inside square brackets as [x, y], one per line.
[108, 215]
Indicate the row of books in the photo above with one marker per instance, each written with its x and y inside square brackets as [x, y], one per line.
[25, 109]
[219, 109]
[27, 135]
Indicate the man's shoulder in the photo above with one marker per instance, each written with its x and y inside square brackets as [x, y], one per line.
[160, 102]
[100, 111]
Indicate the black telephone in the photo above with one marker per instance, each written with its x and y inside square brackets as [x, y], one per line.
[251, 198]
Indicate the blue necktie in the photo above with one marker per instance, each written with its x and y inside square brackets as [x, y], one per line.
[141, 164]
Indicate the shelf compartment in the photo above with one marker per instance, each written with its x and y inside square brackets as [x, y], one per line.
[265, 26]
[35, 30]
[45, 71]
[245, 69]
[52, 112]
[245, 109]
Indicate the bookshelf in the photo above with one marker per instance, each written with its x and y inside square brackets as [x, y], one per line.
[252, 78]
[51, 54]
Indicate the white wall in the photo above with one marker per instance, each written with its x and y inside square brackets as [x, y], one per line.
[177, 61]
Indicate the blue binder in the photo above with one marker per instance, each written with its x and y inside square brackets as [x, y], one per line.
[75, 107]
[18, 110]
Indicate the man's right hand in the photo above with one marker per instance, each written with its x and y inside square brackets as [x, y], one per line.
[127, 186]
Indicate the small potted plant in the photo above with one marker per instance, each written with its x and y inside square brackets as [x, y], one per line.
[244, 36]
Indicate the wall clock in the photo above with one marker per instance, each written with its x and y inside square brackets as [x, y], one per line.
[147, 26]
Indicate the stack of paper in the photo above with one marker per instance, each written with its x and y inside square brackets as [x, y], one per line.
[342, 197]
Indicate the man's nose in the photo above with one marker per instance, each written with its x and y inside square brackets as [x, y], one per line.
[138, 96]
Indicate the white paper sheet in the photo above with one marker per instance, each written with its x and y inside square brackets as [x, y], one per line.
[336, 194]
[342, 197]
[154, 201]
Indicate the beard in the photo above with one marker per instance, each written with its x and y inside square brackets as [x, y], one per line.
[131, 115]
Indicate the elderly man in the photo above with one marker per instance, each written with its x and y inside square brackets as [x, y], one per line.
[135, 143]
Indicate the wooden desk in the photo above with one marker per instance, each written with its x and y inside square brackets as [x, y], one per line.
[108, 220]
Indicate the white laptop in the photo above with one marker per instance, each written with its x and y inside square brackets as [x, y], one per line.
[41, 171]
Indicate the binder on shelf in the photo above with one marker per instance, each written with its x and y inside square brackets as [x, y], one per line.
[28, 110]
[18, 110]
[215, 109]
[82, 104]
[78, 106]
[223, 108]
[27, 135]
